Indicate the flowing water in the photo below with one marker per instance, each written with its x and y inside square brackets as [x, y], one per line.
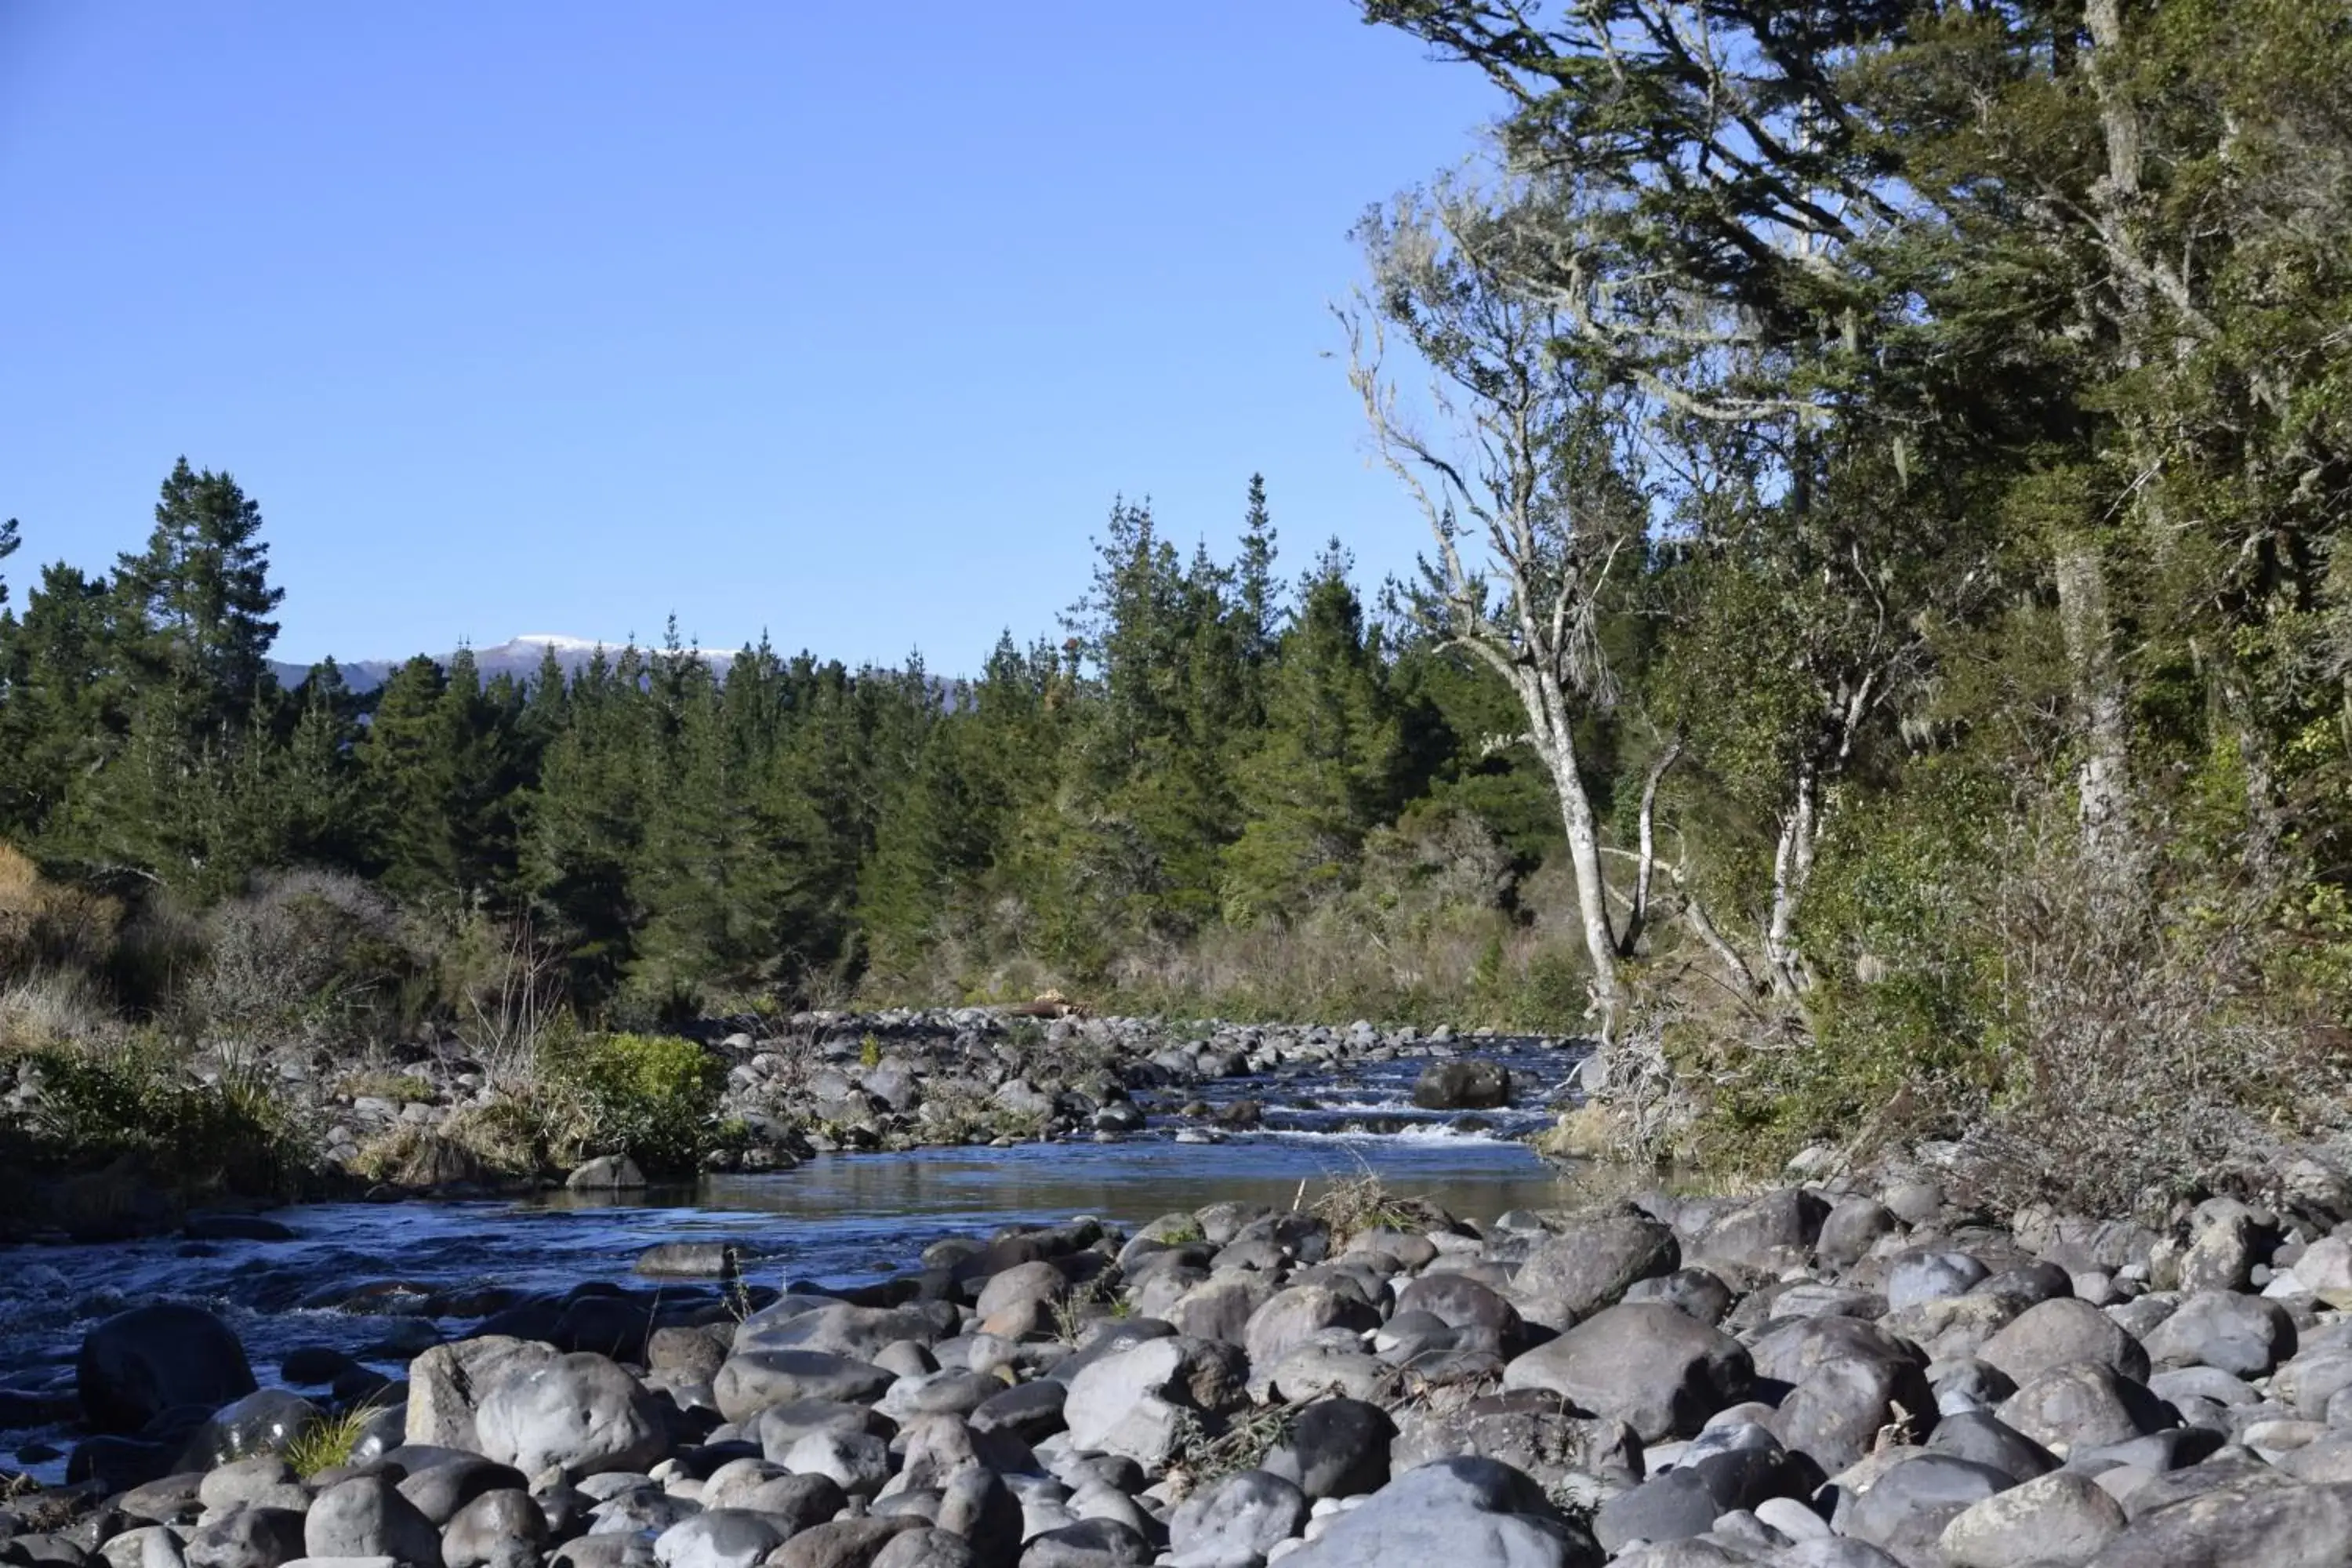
[381, 1280]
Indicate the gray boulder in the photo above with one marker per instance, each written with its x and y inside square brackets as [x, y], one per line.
[504, 1528]
[1838, 1415]
[579, 1413]
[857, 1462]
[1236, 1522]
[1219, 1306]
[1568, 1455]
[606, 1174]
[440, 1489]
[264, 1422]
[2240, 1524]
[2082, 1404]
[1459, 1511]
[2246, 1336]
[929, 1549]
[1660, 1373]
[367, 1517]
[1763, 1239]
[1851, 1228]
[717, 1538]
[246, 1536]
[1293, 1316]
[136, 1364]
[1905, 1511]
[1463, 1086]
[2060, 1520]
[1128, 1403]
[1982, 1436]
[843, 1543]
[1335, 1448]
[979, 1508]
[447, 1383]
[750, 1381]
[1918, 1277]
[1590, 1265]
[2056, 1332]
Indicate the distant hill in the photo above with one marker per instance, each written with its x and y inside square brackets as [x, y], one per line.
[519, 656]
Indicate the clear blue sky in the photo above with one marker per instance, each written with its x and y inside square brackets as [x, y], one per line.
[844, 322]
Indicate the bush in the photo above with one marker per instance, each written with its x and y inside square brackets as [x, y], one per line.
[2137, 1059]
[653, 1097]
[306, 954]
[231, 1134]
[2093, 1032]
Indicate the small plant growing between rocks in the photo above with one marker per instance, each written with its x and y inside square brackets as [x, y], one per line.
[1351, 1204]
[1078, 1307]
[1205, 1453]
[330, 1440]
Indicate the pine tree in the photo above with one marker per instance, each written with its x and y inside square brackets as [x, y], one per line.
[66, 710]
[1325, 773]
[8, 542]
[194, 604]
[318, 794]
[409, 769]
[1257, 594]
[587, 825]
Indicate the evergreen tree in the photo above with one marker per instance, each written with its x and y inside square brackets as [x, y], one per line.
[194, 604]
[317, 793]
[1325, 773]
[409, 766]
[587, 825]
[1257, 595]
[66, 707]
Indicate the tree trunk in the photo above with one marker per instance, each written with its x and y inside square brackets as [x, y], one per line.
[2102, 777]
[1645, 865]
[1793, 868]
[1556, 743]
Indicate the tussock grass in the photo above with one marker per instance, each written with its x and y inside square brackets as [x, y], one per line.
[1353, 1204]
[330, 1441]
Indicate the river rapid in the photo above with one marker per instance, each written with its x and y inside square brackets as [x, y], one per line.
[382, 1281]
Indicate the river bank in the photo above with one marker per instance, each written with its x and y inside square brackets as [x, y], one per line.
[1842, 1374]
[445, 1118]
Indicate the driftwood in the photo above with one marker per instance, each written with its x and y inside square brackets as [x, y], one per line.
[1052, 1005]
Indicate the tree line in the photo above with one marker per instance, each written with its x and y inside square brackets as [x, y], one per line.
[1210, 744]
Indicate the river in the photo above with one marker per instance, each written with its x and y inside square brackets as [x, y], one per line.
[379, 1282]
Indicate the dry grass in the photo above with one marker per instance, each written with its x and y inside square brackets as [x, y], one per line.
[50, 1008]
[45, 925]
[1205, 1453]
[510, 1001]
[1352, 1204]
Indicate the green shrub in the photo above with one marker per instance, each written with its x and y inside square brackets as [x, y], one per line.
[234, 1133]
[653, 1097]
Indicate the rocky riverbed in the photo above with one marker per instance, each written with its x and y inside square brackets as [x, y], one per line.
[1846, 1373]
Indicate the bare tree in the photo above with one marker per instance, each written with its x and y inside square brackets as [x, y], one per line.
[1520, 472]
